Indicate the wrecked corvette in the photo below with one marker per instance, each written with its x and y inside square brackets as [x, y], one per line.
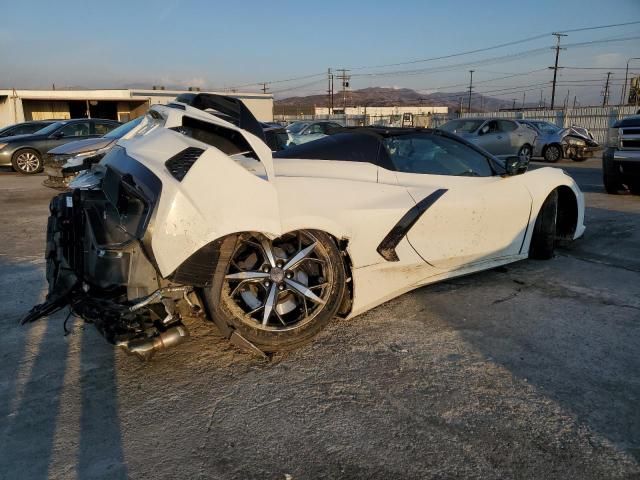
[195, 215]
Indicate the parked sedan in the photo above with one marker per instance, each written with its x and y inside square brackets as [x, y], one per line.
[303, 132]
[25, 153]
[24, 128]
[554, 143]
[498, 136]
[74, 154]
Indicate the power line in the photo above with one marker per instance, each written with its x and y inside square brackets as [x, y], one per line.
[494, 47]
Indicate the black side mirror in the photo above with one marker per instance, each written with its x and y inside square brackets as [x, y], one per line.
[58, 135]
[516, 165]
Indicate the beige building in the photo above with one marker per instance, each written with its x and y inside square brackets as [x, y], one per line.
[119, 104]
[385, 111]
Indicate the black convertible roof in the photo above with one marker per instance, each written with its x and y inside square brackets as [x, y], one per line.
[364, 144]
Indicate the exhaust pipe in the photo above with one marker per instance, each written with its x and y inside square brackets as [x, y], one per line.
[145, 348]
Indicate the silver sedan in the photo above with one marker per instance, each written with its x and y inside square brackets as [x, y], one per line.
[499, 136]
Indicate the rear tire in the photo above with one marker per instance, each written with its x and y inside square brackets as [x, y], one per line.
[544, 232]
[27, 161]
[553, 153]
[238, 301]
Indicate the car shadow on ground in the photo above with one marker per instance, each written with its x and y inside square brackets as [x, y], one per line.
[41, 381]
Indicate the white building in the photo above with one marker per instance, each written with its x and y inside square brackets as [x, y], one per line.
[384, 111]
[121, 104]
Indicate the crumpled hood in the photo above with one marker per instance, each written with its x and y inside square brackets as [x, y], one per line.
[80, 146]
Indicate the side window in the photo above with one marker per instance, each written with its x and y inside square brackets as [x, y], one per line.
[436, 155]
[80, 129]
[102, 128]
[315, 128]
[506, 126]
[493, 126]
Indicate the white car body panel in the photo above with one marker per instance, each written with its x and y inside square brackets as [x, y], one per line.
[479, 223]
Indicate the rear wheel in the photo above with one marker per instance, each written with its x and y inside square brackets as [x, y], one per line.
[27, 161]
[279, 294]
[544, 232]
[553, 153]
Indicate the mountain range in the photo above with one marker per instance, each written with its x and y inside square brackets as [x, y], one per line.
[384, 96]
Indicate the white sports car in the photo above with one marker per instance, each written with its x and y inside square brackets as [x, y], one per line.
[195, 214]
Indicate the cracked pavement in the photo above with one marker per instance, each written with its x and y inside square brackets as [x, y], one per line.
[526, 371]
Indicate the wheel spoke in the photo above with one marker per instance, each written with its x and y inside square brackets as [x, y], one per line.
[269, 304]
[298, 257]
[318, 286]
[304, 290]
[249, 275]
[266, 246]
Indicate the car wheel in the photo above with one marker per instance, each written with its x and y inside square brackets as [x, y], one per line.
[279, 294]
[525, 153]
[611, 184]
[27, 161]
[544, 232]
[553, 153]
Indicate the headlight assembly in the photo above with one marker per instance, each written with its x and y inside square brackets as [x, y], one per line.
[576, 142]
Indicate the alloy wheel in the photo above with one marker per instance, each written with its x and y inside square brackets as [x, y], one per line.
[28, 162]
[281, 284]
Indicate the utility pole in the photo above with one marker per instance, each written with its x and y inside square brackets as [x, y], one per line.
[555, 67]
[345, 84]
[605, 96]
[470, 88]
[513, 107]
[460, 108]
[330, 91]
[264, 87]
[523, 97]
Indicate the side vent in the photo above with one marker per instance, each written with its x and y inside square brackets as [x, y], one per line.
[179, 164]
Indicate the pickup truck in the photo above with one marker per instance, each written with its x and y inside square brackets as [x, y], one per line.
[621, 159]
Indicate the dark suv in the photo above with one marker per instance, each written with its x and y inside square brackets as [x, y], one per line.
[25, 152]
[621, 159]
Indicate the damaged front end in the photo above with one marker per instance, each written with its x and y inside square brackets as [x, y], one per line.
[100, 263]
[578, 144]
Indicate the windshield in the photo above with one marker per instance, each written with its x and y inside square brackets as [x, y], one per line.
[122, 130]
[546, 127]
[50, 129]
[296, 127]
[462, 126]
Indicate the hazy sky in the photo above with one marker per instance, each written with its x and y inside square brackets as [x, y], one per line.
[221, 44]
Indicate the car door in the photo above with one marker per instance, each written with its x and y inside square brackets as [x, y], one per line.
[472, 215]
[492, 138]
[513, 137]
[68, 133]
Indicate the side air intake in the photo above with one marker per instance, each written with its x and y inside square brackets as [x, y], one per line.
[179, 164]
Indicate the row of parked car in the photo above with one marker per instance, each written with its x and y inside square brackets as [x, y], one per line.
[501, 137]
[52, 145]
